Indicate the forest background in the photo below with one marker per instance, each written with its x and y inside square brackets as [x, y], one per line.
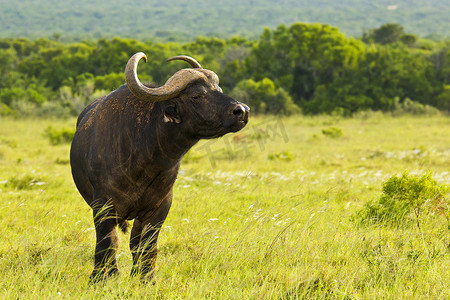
[54, 59]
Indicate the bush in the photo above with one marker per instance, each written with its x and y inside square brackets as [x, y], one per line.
[443, 99]
[408, 106]
[23, 108]
[405, 198]
[264, 97]
[109, 81]
[23, 182]
[333, 132]
[5, 110]
[283, 156]
[59, 136]
[52, 109]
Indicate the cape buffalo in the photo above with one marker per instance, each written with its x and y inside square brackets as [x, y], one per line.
[127, 150]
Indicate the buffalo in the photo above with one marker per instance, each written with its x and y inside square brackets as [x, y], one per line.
[127, 150]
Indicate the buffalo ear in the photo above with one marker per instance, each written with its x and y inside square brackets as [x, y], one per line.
[171, 115]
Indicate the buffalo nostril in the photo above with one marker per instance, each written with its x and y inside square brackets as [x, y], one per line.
[239, 111]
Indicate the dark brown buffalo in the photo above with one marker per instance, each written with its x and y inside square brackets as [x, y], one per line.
[127, 150]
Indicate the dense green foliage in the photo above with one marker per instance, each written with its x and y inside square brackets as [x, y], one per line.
[310, 67]
[181, 20]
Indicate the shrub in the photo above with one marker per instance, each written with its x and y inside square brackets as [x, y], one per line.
[59, 136]
[408, 106]
[52, 109]
[264, 97]
[109, 82]
[23, 108]
[284, 156]
[5, 110]
[405, 198]
[23, 182]
[443, 99]
[333, 132]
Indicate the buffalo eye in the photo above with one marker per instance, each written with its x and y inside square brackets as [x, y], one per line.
[198, 94]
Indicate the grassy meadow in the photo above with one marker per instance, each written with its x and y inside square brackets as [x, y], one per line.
[266, 213]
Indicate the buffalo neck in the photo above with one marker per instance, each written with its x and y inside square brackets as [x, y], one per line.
[173, 142]
[166, 143]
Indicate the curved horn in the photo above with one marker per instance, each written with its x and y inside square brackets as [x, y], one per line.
[174, 85]
[195, 64]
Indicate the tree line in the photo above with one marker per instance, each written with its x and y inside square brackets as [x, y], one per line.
[184, 21]
[309, 68]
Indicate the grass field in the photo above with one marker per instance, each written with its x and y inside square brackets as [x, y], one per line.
[262, 214]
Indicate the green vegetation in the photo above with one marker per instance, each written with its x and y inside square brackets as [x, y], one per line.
[309, 68]
[404, 196]
[272, 221]
[333, 132]
[179, 20]
[59, 136]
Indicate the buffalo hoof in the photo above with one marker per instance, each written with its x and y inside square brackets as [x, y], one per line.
[101, 275]
[147, 277]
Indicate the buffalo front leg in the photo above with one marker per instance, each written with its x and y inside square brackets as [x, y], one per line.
[106, 241]
[144, 237]
[135, 240]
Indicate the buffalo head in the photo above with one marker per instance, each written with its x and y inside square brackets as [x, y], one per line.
[193, 97]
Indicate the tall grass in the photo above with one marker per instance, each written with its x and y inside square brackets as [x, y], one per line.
[246, 222]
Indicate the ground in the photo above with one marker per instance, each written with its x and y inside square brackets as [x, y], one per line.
[262, 214]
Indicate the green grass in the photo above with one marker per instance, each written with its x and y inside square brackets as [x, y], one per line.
[267, 215]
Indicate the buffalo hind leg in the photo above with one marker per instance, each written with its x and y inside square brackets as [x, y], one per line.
[144, 237]
[107, 242]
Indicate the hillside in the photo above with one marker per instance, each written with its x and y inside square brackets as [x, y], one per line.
[181, 20]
